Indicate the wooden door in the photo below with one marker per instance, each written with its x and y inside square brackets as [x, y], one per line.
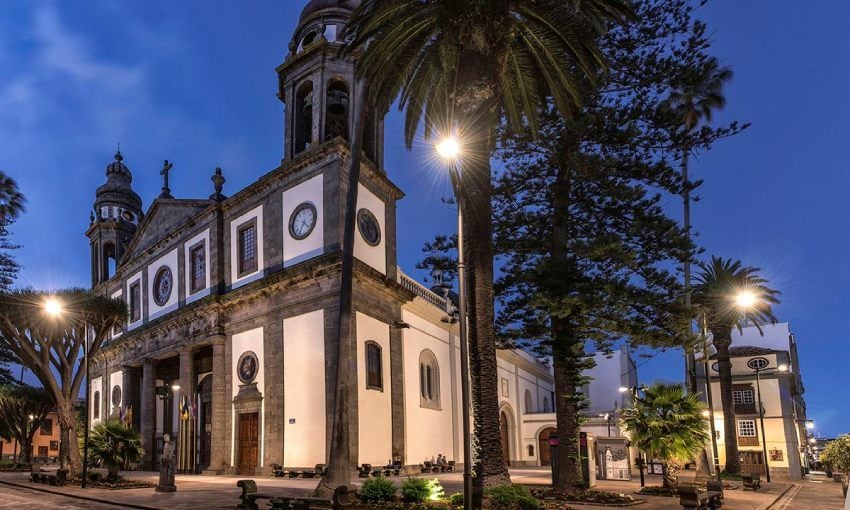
[752, 462]
[543, 449]
[205, 423]
[248, 443]
[503, 433]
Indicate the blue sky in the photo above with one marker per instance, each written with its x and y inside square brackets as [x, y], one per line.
[193, 82]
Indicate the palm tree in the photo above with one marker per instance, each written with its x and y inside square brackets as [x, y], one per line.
[115, 444]
[464, 66]
[668, 424]
[695, 95]
[717, 286]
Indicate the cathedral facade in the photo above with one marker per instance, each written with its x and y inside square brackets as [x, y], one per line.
[233, 304]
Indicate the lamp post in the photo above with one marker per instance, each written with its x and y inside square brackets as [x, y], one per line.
[640, 462]
[709, 399]
[449, 150]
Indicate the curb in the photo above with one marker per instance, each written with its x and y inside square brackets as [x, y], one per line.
[77, 496]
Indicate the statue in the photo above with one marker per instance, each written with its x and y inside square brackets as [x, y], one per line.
[166, 466]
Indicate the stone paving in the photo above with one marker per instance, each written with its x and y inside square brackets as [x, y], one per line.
[219, 492]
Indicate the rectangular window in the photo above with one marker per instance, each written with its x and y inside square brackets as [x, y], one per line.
[737, 397]
[47, 427]
[748, 397]
[198, 264]
[42, 451]
[135, 302]
[247, 236]
[746, 428]
[54, 446]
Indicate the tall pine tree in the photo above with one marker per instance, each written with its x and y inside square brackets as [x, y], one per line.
[11, 206]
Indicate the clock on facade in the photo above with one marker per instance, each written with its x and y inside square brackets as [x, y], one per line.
[369, 228]
[116, 395]
[163, 282]
[247, 366]
[302, 221]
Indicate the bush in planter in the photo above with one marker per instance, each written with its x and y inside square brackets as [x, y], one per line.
[511, 497]
[836, 454]
[418, 490]
[377, 490]
[456, 499]
[115, 445]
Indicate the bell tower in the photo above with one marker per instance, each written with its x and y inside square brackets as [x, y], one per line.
[114, 219]
[317, 85]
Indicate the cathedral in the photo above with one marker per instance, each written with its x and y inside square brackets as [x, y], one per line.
[233, 303]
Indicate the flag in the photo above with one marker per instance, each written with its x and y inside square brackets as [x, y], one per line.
[184, 407]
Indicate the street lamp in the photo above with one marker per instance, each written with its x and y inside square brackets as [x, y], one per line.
[449, 149]
[709, 400]
[634, 391]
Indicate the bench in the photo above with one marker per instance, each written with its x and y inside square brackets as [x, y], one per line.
[364, 471]
[751, 481]
[318, 470]
[250, 495]
[715, 488]
[691, 496]
[308, 503]
[58, 477]
[277, 471]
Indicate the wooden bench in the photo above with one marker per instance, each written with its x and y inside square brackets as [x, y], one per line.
[364, 471]
[751, 481]
[318, 470]
[690, 496]
[715, 489]
[58, 477]
[306, 503]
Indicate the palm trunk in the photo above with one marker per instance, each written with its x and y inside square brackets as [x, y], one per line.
[340, 460]
[722, 341]
[490, 469]
[671, 475]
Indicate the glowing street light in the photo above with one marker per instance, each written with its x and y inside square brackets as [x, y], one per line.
[745, 299]
[622, 389]
[782, 367]
[448, 148]
[810, 425]
[53, 307]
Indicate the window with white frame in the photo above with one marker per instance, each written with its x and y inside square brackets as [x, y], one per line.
[746, 428]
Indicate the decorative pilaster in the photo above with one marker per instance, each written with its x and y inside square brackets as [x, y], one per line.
[220, 407]
[147, 412]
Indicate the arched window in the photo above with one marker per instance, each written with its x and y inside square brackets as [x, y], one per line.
[96, 404]
[529, 403]
[531, 450]
[429, 380]
[374, 367]
[546, 407]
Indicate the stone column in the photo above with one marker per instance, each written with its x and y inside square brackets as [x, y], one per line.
[147, 412]
[220, 407]
[187, 386]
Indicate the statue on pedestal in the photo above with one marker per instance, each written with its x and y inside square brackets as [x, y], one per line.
[166, 466]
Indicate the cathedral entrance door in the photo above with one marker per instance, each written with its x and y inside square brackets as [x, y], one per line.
[205, 422]
[503, 433]
[543, 449]
[248, 443]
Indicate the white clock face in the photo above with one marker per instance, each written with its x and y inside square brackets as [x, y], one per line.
[302, 221]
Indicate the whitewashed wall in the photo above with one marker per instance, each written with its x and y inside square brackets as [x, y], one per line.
[115, 379]
[375, 256]
[304, 390]
[187, 273]
[235, 279]
[96, 386]
[168, 260]
[428, 432]
[375, 428]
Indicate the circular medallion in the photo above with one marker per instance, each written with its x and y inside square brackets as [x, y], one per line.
[127, 215]
[369, 227]
[758, 363]
[302, 221]
[116, 395]
[247, 367]
[715, 366]
[162, 285]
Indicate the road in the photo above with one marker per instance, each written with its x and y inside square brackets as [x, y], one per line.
[26, 499]
[812, 493]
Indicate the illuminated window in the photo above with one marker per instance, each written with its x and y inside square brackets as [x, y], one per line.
[746, 428]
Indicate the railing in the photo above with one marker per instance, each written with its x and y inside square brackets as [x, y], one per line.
[748, 441]
[421, 290]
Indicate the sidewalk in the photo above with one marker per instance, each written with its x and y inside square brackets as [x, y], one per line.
[220, 492]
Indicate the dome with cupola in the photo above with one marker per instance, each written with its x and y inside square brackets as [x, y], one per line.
[314, 6]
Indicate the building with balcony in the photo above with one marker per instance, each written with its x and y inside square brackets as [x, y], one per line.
[783, 438]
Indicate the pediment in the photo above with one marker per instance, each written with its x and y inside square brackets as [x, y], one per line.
[165, 216]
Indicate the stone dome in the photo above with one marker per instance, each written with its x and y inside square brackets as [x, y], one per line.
[315, 6]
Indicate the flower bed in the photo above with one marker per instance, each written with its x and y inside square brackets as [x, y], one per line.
[656, 490]
[100, 482]
[552, 497]
[15, 468]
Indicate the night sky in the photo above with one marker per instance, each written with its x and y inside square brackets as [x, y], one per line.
[193, 82]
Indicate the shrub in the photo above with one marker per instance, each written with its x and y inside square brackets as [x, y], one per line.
[377, 490]
[511, 497]
[95, 476]
[115, 444]
[415, 490]
[456, 499]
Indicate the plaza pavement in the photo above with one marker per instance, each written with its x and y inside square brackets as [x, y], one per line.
[220, 492]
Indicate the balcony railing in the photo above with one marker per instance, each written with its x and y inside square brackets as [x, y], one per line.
[748, 441]
[421, 290]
